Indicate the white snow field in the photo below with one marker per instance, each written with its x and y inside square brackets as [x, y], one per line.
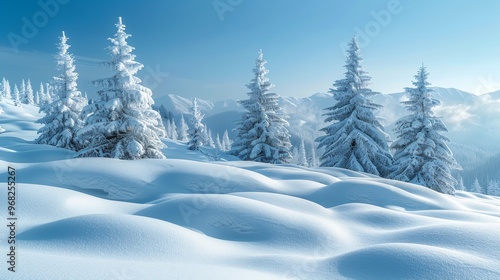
[187, 217]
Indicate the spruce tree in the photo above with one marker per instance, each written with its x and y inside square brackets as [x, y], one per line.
[218, 143]
[6, 88]
[122, 124]
[421, 155]
[460, 184]
[37, 98]
[175, 135]
[63, 116]
[41, 95]
[210, 139]
[494, 188]
[17, 100]
[355, 139]
[183, 130]
[168, 128]
[476, 187]
[302, 158]
[313, 161]
[28, 97]
[22, 93]
[197, 130]
[226, 142]
[262, 131]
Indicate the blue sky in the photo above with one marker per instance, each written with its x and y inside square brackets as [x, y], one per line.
[191, 48]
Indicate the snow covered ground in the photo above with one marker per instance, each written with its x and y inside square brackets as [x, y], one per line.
[188, 217]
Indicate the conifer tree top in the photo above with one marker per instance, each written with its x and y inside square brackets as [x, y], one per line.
[356, 78]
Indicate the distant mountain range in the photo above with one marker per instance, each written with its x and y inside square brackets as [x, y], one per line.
[471, 119]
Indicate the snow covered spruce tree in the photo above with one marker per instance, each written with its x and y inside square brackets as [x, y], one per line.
[17, 101]
[210, 139]
[183, 130]
[173, 126]
[218, 143]
[313, 161]
[262, 131]
[28, 97]
[476, 187]
[63, 116]
[197, 131]
[226, 142]
[421, 155]
[355, 140]
[6, 88]
[22, 93]
[122, 123]
[302, 158]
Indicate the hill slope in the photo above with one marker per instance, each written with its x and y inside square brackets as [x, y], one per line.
[187, 217]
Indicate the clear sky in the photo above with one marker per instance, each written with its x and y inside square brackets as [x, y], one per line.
[207, 48]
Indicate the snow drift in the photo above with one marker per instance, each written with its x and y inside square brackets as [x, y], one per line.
[187, 217]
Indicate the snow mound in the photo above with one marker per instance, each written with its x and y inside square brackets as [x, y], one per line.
[189, 217]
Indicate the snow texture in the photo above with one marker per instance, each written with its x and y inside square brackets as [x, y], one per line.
[188, 217]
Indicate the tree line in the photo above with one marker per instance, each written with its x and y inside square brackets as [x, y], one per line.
[122, 123]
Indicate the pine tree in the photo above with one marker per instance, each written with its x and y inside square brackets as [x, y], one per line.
[313, 161]
[37, 98]
[460, 184]
[218, 143]
[196, 137]
[166, 121]
[123, 124]
[196, 133]
[6, 88]
[210, 139]
[168, 129]
[183, 130]
[175, 135]
[226, 142]
[493, 188]
[63, 116]
[356, 139]
[490, 185]
[22, 93]
[302, 158]
[17, 101]
[421, 155]
[41, 96]
[205, 136]
[28, 96]
[476, 187]
[262, 131]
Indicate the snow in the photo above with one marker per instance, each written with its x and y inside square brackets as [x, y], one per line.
[189, 217]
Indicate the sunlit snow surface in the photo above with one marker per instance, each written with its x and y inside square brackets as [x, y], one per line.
[191, 218]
